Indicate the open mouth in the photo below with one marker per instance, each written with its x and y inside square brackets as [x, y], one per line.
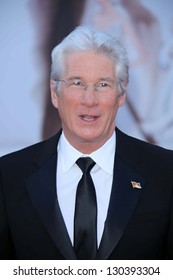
[88, 118]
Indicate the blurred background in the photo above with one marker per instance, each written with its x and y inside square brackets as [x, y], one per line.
[31, 28]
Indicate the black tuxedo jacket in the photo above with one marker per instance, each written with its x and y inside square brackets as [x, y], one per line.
[139, 223]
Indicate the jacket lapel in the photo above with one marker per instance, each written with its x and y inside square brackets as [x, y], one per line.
[124, 197]
[42, 189]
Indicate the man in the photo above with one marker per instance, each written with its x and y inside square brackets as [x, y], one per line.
[131, 213]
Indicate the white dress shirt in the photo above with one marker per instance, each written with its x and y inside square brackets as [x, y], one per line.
[69, 174]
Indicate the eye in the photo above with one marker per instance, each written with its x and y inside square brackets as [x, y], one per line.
[76, 83]
[104, 85]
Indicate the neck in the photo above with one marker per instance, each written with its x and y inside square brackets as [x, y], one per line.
[87, 147]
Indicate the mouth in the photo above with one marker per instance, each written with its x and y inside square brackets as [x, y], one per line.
[88, 118]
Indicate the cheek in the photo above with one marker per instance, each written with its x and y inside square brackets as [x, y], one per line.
[66, 107]
[111, 112]
[111, 107]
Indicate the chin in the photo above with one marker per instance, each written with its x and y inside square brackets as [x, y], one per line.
[89, 138]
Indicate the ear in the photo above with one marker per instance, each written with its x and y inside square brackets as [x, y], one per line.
[122, 99]
[54, 95]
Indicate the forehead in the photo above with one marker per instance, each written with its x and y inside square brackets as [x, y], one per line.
[89, 63]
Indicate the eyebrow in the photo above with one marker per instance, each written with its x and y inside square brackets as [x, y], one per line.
[74, 78]
[100, 79]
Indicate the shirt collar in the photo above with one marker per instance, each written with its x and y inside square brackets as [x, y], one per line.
[104, 156]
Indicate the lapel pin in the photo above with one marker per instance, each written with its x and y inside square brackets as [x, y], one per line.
[136, 185]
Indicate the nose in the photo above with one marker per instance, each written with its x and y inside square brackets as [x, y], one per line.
[89, 96]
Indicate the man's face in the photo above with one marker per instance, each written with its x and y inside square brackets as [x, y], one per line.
[88, 118]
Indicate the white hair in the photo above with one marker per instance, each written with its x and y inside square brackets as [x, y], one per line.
[86, 39]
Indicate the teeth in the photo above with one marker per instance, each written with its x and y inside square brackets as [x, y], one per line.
[88, 118]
